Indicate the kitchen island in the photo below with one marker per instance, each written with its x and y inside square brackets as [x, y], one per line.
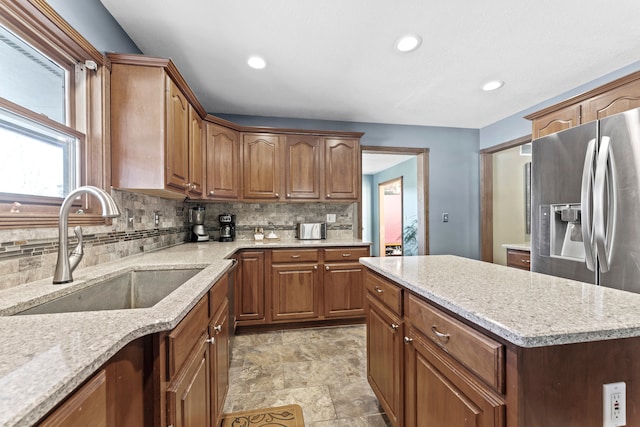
[500, 346]
[45, 357]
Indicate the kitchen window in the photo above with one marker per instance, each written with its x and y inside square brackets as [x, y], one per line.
[53, 112]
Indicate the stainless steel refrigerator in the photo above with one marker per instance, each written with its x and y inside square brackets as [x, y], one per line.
[586, 203]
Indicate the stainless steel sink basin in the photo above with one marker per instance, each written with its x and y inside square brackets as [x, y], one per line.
[134, 289]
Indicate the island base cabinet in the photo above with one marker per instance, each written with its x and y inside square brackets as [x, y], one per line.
[384, 359]
[439, 391]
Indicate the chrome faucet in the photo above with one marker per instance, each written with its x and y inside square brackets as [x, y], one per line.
[68, 262]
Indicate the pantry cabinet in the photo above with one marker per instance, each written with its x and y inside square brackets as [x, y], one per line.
[156, 128]
[222, 162]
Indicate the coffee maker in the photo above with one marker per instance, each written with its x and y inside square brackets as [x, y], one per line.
[196, 217]
[227, 227]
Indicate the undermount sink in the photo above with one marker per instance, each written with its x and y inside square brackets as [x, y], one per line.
[133, 289]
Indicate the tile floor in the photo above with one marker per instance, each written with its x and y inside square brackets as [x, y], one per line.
[321, 369]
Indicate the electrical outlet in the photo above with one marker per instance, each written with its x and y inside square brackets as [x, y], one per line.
[445, 217]
[614, 404]
[331, 218]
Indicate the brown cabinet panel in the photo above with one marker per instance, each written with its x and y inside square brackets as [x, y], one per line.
[556, 121]
[344, 294]
[249, 286]
[223, 163]
[346, 254]
[261, 161]
[342, 169]
[384, 359]
[185, 336]
[188, 395]
[439, 392]
[86, 407]
[195, 186]
[384, 291]
[177, 158]
[614, 101]
[296, 292]
[519, 259]
[294, 255]
[302, 167]
[219, 359]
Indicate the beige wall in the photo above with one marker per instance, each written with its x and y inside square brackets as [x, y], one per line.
[508, 201]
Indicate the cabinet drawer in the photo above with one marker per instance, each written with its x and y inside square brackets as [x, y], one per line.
[481, 354]
[345, 254]
[384, 291]
[294, 255]
[185, 336]
[518, 259]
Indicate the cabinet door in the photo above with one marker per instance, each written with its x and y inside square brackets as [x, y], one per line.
[188, 395]
[219, 358]
[302, 167]
[223, 162]
[177, 139]
[261, 158]
[344, 293]
[384, 360]
[342, 169]
[195, 187]
[249, 286]
[440, 392]
[556, 121]
[86, 407]
[296, 292]
[614, 101]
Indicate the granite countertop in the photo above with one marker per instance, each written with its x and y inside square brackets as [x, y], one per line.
[45, 357]
[526, 309]
[526, 246]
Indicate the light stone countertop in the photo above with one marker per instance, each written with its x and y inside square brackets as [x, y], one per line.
[526, 309]
[526, 246]
[45, 357]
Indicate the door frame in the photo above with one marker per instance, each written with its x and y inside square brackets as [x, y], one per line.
[422, 156]
[486, 194]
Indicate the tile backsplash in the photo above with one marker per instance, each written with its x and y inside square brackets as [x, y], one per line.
[30, 254]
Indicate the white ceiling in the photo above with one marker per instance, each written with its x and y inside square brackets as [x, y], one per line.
[334, 59]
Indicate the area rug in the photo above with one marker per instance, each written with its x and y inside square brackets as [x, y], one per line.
[280, 416]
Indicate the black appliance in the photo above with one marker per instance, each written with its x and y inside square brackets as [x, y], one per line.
[227, 227]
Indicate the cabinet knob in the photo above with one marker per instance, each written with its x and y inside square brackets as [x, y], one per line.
[326, 267]
[217, 328]
[288, 195]
[408, 340]
[211, 340]
[277, 195]
[378, 290]
[328, 196]
[211, 193]
[395, 327]
[442, 337]
[315, 267]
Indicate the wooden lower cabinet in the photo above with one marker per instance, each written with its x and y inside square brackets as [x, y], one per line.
[344, 294]
[249, 288]
[440, 392]
[384, 359]
[519, 259]
[86, 407]
[219, 361]
[295, 292]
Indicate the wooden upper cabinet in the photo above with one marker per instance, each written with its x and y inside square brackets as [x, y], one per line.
[555, 122]
[342, 169]
[612, 98]
[177, 160]
[617, 100]
[223, 163]
[302, 167]
[261, 160]
[195, 187]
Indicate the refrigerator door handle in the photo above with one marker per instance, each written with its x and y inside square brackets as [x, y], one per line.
[586, 192]
[604, 197]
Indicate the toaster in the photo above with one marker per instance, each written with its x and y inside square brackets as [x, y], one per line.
[311, 231]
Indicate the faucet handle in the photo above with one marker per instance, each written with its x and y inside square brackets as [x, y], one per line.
[76, 255]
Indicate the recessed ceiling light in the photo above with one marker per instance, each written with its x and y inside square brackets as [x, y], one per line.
[492, 85]
[257, 62]
[408, 43]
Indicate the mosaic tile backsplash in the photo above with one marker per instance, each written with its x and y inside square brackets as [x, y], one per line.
[30, 254]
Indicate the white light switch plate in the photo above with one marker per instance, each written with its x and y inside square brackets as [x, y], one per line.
[331, 217]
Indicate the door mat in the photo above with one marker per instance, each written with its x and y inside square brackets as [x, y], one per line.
[280, 416]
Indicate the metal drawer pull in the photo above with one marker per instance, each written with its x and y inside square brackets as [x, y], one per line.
[526, 261]
[440, 335]
[395, 326]
[346, 255]
[378, 290]
[295, 256]
[407, 340]
[211, 340]
[218, 329]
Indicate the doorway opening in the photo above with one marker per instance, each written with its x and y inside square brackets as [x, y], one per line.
[391, 220]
